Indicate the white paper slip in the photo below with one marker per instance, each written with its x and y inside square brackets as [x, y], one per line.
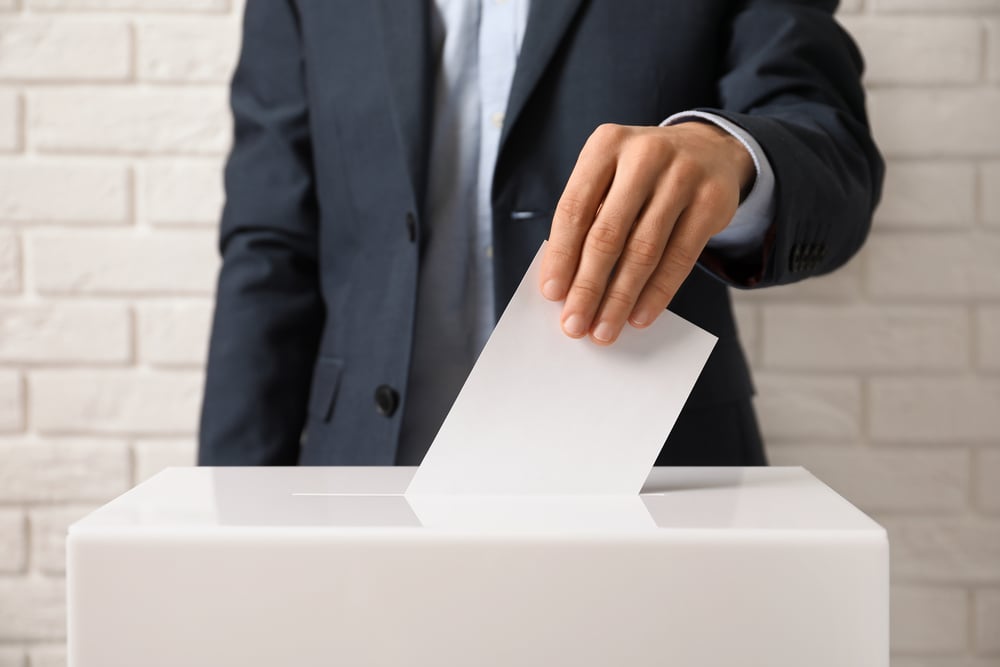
[542, 413]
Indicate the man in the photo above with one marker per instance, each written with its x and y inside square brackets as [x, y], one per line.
[397, 165]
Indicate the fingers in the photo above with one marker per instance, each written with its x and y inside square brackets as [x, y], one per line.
[633, 220]
[686, 242]
[602, 249]
[576, 210]
[642, 253]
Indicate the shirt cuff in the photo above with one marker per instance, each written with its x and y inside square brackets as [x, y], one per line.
[746, 231]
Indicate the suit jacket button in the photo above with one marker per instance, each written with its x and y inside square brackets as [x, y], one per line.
[386, 400]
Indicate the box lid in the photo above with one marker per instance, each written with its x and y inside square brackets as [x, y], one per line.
[675, 503]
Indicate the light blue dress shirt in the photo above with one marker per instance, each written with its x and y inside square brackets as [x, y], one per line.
[476, 45]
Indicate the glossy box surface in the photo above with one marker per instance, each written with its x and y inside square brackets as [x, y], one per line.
[335, 566]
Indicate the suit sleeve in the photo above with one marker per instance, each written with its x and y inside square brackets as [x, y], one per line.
[268, 313]
[793, 81]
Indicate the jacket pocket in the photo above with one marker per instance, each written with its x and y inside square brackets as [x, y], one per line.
[325, 383]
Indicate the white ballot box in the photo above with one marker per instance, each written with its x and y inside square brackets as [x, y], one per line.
[249, 567]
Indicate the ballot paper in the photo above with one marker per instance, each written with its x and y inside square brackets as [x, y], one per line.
[545, 414]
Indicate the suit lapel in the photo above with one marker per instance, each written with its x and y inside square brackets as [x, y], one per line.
[406, 49]
[405, 28]
[548, 21]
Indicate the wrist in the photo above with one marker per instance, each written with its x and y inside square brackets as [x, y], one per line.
[736, 154]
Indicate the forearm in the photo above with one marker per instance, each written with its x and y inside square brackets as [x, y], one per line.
[794, 85]
[265, 333]
[269, 312]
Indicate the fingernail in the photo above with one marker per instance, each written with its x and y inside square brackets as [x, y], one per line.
[604, 332]
[574, 326]
[639, 319]
[551, 291]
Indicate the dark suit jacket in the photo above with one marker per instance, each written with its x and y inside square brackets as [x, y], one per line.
[322, 226]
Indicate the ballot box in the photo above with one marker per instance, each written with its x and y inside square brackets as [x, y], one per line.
[336, 566]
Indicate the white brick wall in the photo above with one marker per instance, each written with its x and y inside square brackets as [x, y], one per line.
[11, 401]
[59, 49]
[48, 535]
[929, 619]
[927, 195]
[174, 333]
[173, 120]
[883, 378]
[864, 337]
[987, 611]
[89, 191]
[949, 50]
[989, 177]
[987, 489]
[114, 401]
[936, 122]
[186, 49]
[10, 120]
[180, 191]
[13, 542]
[50, 333]
[136, 262]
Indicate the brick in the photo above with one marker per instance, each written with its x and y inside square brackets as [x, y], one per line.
[11, 401]
[187, 49]
[990, 188]
[927, 195]
[135, 5]
[993, 50]
[943, 661]
[935, 409]
[988, 337]
[934, 266]
[87, 192]
[10, 121]
[152, 456]
[928, 619]
[961, 549]
[49, 526]
[911, 480]
[864, 338]
[916, 50]
[936, 122]
[125, 263]
[48, 656]
[13, 541]
[64, 332]
[988, 481]
[807, 408]
[10, 263]
[32, 608]
[60, 49]
[174, 333]
[11, 656]
[63, 470]
[987, 622]
[130, 121]
[115, 401]
[930, 6]
[182, 192]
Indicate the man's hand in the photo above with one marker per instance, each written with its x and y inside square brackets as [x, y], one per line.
[637, 211]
